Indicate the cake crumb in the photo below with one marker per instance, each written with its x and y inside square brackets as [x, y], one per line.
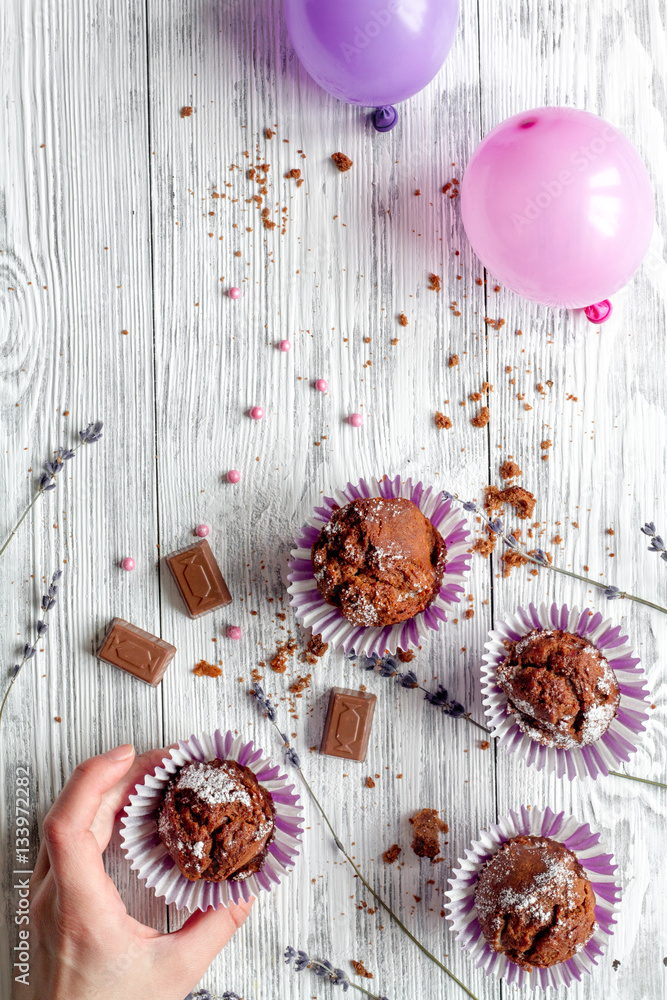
[342, 161]
[360, 969]
[486, 544]
[484, 744]
[453, 360]
[427, 827]
[402, 319]
[186, 112]
[269, 133]
[314, 650]
[369, 782]
[391, 854]
[279, 661]
[509, 470]
[482, 418]
[405, 655]
[204, 669]
[512, 559]
[441, 421]
[300, 685]
[520, 499]
[434, 283]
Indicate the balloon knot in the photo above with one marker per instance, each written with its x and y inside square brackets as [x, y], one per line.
[385, 118]
[600, 312]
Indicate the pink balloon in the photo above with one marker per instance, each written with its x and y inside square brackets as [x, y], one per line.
[558, 205]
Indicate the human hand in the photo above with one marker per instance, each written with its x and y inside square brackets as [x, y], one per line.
[83, 943]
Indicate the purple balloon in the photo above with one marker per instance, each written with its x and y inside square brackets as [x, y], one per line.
[558, 206]
[372, 53]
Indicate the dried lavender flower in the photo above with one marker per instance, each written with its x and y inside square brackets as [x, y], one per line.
[260, 697]
[92, 433]
[29, 650]
[323, 969]
[301, 962]
[47, 481]
[387, 666]
[408, 679]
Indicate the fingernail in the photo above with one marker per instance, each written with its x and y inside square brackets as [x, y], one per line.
[120, 753]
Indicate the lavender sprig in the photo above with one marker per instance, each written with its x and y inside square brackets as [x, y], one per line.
[270, 712]
[47, 481]
[387, 666]
[207, 995]
[325, 970]
[30, 649]
[657, 544]
[538, 557]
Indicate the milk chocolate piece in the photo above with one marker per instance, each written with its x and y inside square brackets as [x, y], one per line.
[199, 579]
[135, 651]
[347, 728]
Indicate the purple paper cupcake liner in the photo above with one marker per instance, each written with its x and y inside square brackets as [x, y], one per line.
[617, 744]
[148, 856]
[313, 612]
[599, 866]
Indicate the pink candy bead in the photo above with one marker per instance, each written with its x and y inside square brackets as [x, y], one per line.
[234, 632]
[234, 293]
[257, 413]
[127, 563]
[285, 345]
[321, 385]
[355, 419]
[201, 530]
[233, 476]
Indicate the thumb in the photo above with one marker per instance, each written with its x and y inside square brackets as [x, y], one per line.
[190, 950]
[71, 845]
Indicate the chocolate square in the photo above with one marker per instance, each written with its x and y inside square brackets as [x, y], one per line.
[135, 651]
[199, 579]
[347, 728]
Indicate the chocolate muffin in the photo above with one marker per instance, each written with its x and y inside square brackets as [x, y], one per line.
[560, 688]
[534, 902]
[379, 561]
[216, 820]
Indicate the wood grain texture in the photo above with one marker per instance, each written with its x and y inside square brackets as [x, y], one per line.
[113, 216]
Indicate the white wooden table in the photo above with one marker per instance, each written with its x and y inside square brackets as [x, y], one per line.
[105, 226]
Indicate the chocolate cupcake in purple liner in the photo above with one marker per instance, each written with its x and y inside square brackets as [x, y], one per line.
[534, 899]
[216, 820]
[560, 688]
[379, 561]
[379, 565]
[230, 830]
[563, 689]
